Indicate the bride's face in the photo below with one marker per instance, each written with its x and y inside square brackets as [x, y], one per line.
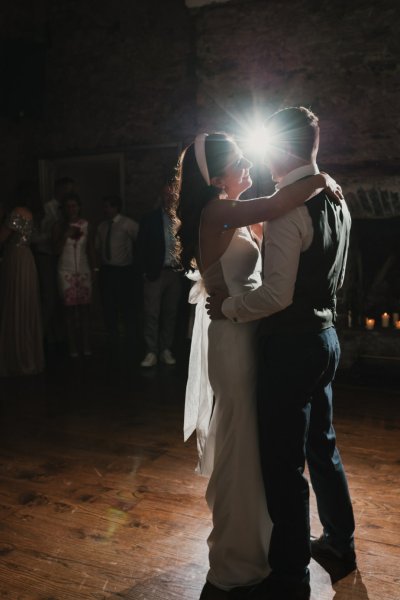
[236, 178]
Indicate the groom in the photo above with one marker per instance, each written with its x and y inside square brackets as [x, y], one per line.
[305, 258]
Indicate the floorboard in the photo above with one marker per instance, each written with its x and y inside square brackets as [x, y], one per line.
[99, 499]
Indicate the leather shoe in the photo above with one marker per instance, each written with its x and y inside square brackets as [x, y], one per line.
[211, 592]
[273, 588]
[336, 562]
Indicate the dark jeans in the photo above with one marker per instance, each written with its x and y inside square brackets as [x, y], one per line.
[295, 420]
[117, 289]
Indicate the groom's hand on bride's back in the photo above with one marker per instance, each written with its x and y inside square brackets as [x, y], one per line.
[333, 189]
[214, 304]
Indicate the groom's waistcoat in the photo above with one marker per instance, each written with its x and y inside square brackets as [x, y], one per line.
[319, 272]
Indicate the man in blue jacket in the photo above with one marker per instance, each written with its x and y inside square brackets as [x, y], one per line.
[162, 282]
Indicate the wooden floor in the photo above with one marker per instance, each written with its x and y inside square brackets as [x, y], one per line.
[98, 497]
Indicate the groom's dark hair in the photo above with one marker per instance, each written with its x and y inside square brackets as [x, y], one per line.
[296, 126]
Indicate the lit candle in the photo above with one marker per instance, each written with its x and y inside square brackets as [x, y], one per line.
[395, 317]
[397, 324]
[385, 320]
[369, 323]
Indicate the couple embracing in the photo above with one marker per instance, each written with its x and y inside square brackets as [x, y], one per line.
[264, 408]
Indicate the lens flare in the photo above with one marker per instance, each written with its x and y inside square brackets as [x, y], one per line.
[258, 142]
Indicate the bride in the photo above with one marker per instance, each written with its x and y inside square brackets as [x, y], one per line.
[220, 236]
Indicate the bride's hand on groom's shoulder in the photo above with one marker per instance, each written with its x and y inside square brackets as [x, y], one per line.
[332, 188]
[214, 304]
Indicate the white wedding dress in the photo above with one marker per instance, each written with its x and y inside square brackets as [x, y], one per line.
[222, 409]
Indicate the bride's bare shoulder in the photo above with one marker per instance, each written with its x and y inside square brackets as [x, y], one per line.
[216, 213]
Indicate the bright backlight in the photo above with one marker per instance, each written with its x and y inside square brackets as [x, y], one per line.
[258, 142]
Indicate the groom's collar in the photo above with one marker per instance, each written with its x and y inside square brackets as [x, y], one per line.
[296, 174]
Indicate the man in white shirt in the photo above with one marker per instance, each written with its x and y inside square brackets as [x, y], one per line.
[304, 265]
[115, 239]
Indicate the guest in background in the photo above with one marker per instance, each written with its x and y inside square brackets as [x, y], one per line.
[21, 335]
[162, 285]
[115, 241]
[46, 262]
[73, 243]
[2, 211]
[3, 216]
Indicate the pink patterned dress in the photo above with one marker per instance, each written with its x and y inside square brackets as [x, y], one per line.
[74, 275]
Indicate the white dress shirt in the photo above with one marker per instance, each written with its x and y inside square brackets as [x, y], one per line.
[123, 234]
[285, 239]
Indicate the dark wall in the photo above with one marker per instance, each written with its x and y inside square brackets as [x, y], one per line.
[339, 58]
[121, 75]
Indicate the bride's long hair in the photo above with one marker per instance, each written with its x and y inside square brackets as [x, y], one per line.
[193, 193]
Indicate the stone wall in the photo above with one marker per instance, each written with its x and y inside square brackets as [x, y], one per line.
[143, 78]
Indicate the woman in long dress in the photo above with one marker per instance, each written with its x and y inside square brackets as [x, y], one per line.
[73, 242]
[21, 336]
[221, 237]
